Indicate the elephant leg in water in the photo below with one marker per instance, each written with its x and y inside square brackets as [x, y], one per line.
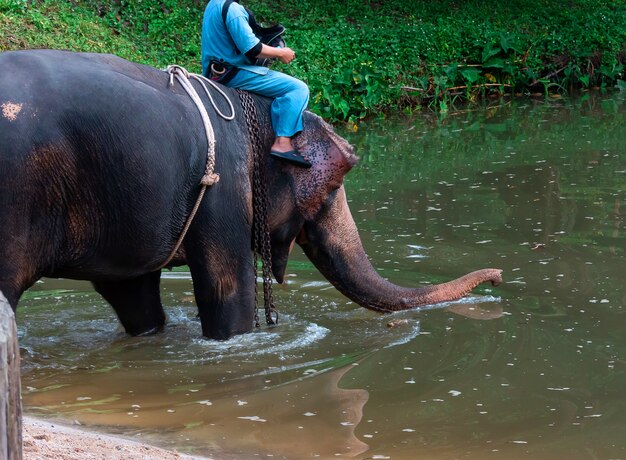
[221, 269]
[136, 302]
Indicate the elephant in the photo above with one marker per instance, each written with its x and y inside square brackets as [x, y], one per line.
[100, 165]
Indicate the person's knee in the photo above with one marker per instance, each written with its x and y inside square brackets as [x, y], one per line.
[301, 91]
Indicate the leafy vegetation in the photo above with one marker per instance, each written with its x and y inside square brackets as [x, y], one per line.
[362, 57]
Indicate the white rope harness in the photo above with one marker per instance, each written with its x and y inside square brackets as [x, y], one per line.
[210, 177]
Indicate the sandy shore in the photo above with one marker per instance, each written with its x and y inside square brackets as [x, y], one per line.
[45, 440]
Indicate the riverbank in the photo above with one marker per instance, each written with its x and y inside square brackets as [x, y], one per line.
[43, 440]
[360, 57]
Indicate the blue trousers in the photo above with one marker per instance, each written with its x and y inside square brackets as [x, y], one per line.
[290, 95]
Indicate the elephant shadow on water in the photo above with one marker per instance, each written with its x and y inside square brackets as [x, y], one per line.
[100, 164]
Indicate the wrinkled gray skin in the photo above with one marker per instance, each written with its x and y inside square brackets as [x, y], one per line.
[100, 163]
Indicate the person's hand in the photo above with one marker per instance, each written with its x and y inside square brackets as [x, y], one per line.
[286, 55]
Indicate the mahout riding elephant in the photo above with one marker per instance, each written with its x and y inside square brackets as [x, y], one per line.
[100, 164]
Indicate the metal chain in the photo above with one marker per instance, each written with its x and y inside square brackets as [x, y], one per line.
[260, 225]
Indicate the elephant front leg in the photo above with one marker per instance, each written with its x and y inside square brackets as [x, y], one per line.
[137, 302]
[224, 292]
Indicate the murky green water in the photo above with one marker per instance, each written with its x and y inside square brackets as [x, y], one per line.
[535, 368]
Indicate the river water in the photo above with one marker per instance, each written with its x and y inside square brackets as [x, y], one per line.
[534, 368]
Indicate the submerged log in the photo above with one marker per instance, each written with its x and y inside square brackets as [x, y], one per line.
[10, 396]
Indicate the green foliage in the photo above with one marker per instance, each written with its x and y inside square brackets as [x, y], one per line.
[361, 57]
[61, 25]
[350, 93]
[171, 27]
[12, 6]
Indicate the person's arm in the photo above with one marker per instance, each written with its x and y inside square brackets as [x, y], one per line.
[245, 40]
[284, 55]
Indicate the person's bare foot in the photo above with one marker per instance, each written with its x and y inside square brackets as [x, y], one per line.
[282, 144]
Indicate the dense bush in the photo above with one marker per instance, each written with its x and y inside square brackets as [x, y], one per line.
[361, 57]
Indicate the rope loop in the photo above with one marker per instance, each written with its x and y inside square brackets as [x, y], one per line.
[184, 76]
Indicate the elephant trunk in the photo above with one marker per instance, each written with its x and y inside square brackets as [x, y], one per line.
[332, 243]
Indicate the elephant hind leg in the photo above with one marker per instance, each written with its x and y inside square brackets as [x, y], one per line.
[10, 294]
[137, 302]
[14, 280]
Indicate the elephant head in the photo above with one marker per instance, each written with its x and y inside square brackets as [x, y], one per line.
[315, 214]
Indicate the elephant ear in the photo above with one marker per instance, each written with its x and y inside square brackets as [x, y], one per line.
[331, 157]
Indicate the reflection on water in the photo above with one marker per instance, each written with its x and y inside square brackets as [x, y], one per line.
[534, 368]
